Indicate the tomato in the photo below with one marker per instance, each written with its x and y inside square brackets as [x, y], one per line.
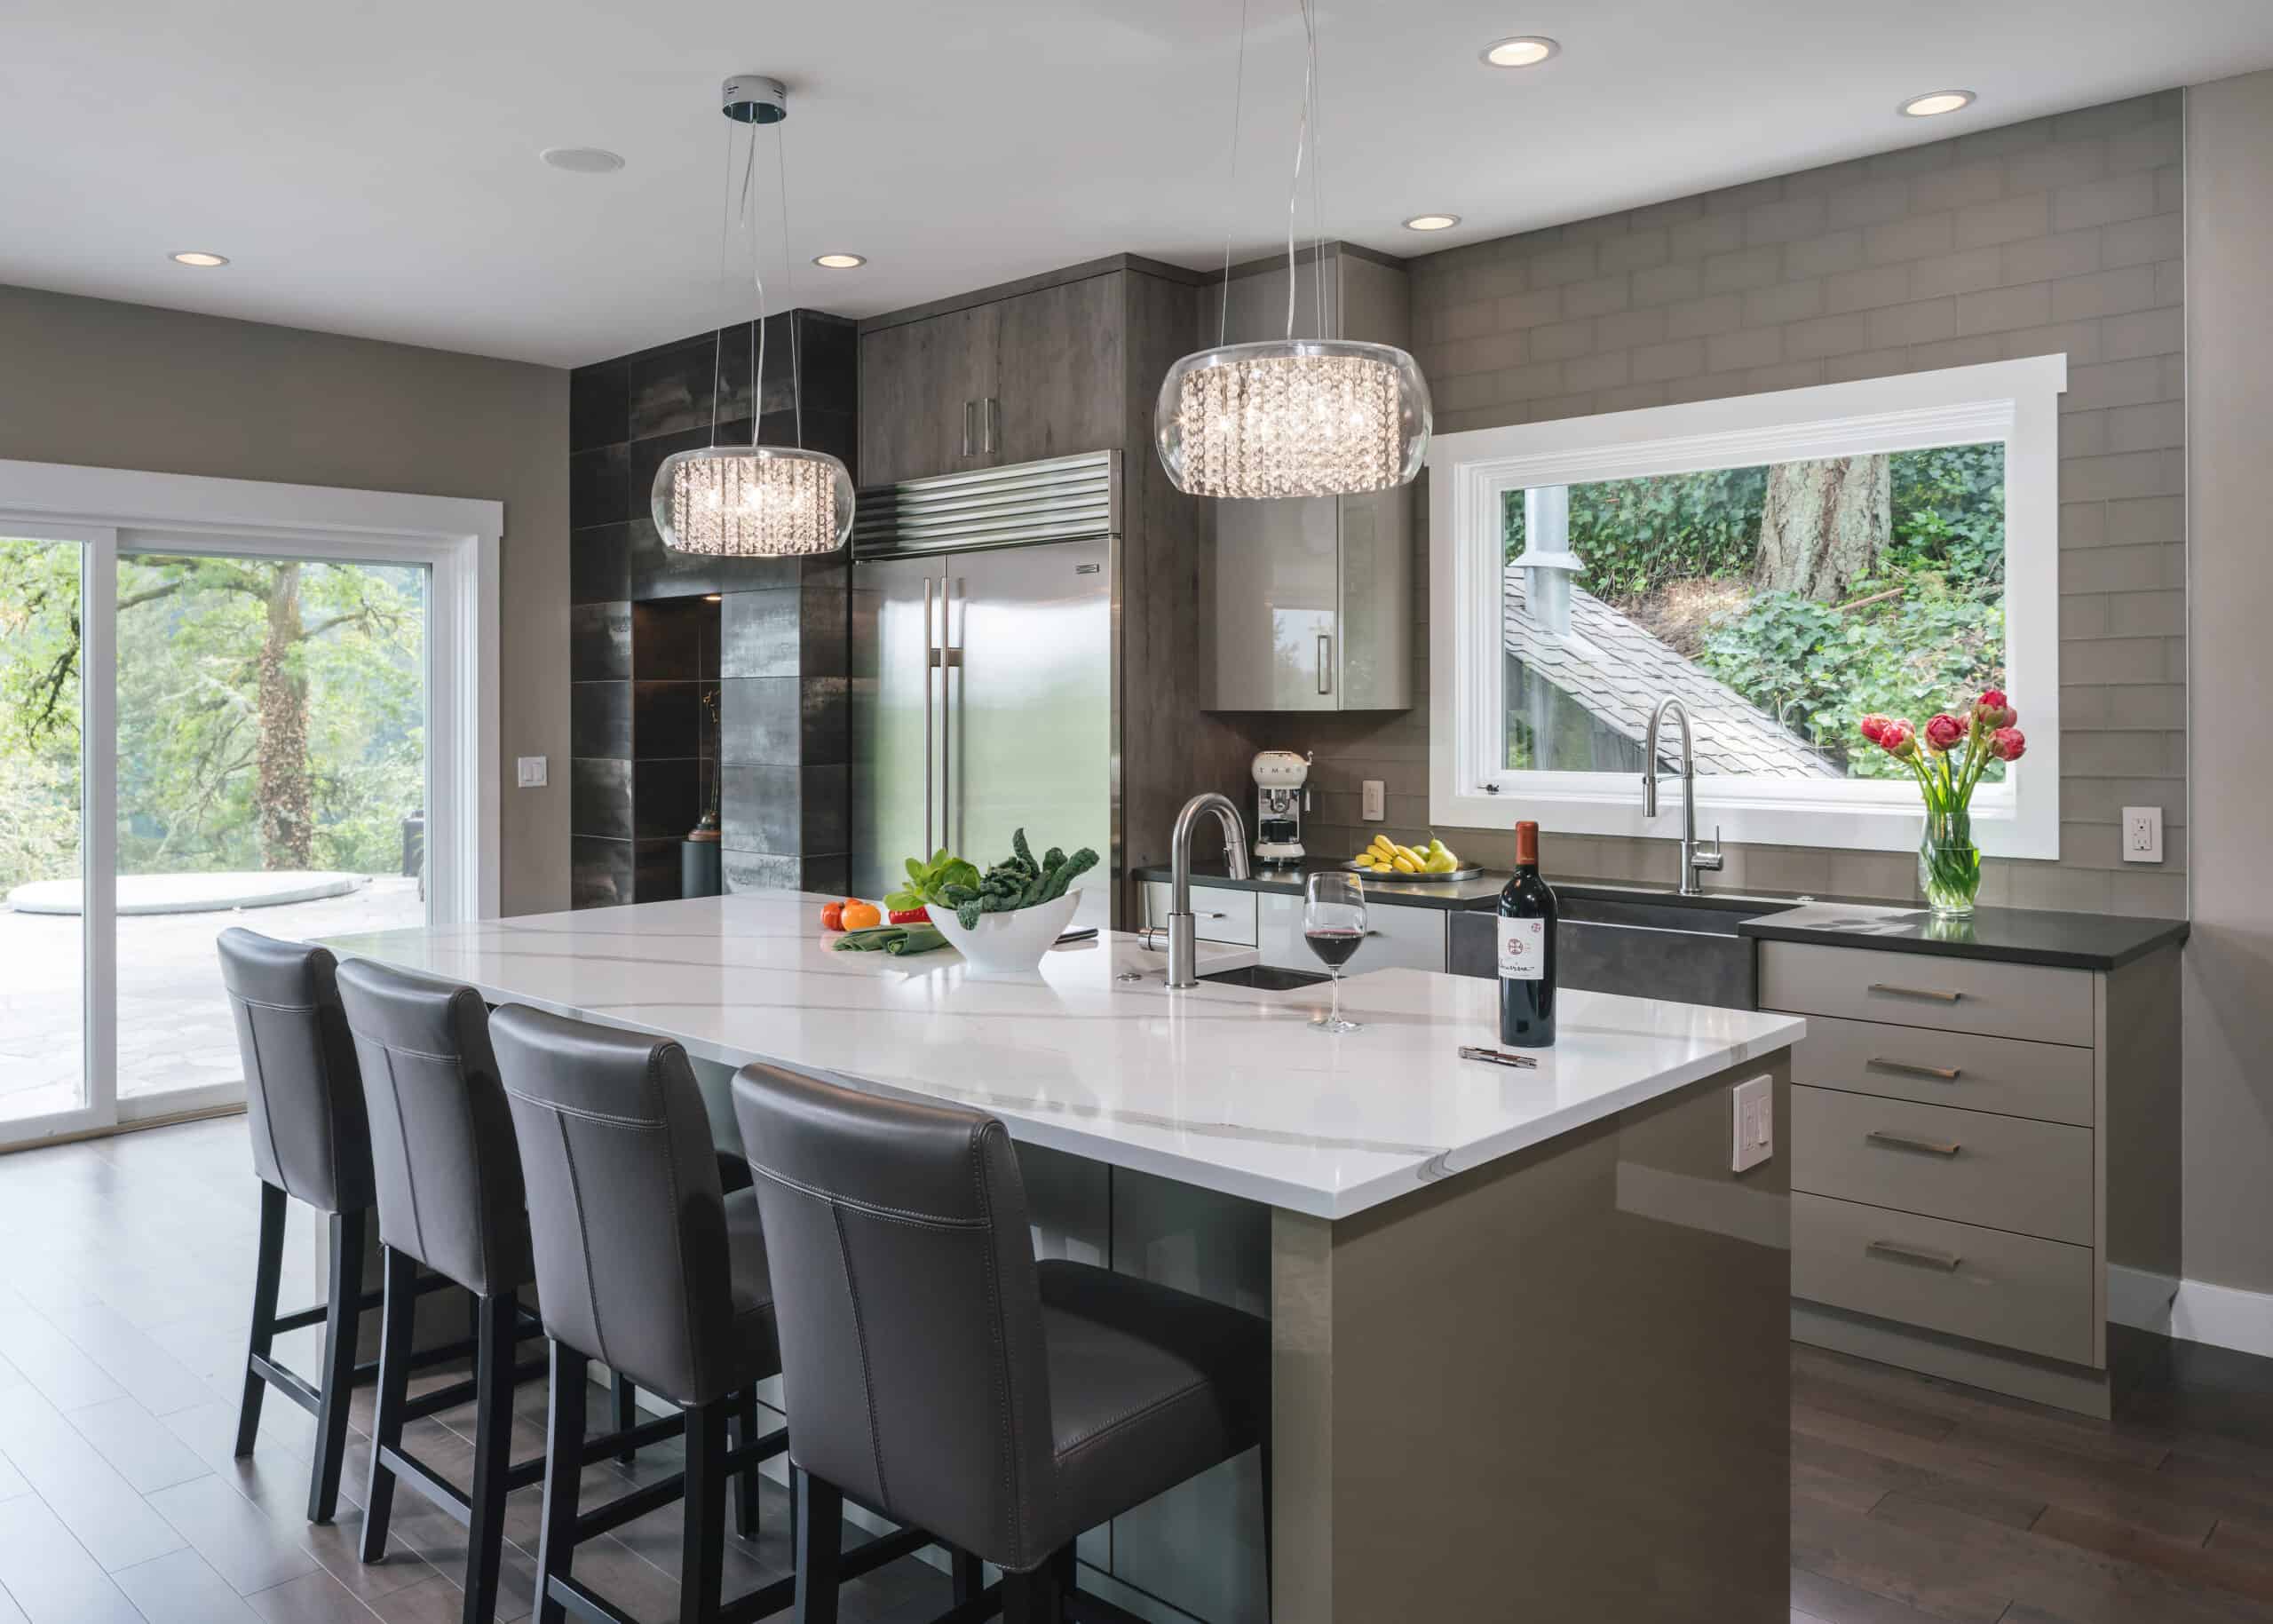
[832, 916]
[910, 916]
[862, 915]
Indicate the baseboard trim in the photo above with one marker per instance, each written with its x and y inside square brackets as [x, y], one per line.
[2192, 1311]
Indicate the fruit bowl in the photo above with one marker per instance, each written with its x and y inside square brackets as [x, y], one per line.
[1007, 944]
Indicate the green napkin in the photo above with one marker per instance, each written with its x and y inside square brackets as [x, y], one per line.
[897, 939]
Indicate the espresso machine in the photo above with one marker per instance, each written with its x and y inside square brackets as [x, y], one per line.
[1280, 799]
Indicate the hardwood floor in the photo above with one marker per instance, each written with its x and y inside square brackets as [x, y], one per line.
[126, 1269]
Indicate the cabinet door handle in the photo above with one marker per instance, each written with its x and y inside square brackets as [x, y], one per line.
[969, 406]
[1325, 664]
[1915, 1255]
[1911, 1068]
[1939, 994]
[1910, 1142]
[990, 423]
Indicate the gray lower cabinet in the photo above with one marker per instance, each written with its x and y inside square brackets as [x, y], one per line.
[1981, 1152]
[1397, 937]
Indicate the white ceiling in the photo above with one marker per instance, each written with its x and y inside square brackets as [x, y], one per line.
[371, 168]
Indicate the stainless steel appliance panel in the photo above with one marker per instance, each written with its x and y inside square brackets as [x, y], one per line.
[898, 614]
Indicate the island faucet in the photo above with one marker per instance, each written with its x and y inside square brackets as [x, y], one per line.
[1182, 945]
[1694, 858]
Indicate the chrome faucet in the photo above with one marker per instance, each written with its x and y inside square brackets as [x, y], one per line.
[1694, 858]
[1184, 952]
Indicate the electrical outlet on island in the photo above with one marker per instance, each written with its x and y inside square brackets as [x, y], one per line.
[1752, 1119]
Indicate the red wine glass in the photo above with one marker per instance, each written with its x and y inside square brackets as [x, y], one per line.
[1334, 924]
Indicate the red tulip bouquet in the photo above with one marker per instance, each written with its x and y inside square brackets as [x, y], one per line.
[1947, 759]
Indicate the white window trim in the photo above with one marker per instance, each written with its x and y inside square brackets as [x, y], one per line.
[2017, 402]
[111, 510]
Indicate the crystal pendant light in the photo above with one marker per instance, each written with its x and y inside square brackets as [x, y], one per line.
[755, 501]
[1290, 416]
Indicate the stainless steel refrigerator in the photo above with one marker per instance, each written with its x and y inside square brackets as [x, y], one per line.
[983, 666]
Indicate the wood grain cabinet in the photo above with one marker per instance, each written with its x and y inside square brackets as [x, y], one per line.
[1982, 1152]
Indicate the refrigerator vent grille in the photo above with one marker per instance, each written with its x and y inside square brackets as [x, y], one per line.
[1065, 499]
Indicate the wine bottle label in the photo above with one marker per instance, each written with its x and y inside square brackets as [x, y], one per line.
[1522, 949]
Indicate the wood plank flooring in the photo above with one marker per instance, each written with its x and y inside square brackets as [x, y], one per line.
[126, 1269]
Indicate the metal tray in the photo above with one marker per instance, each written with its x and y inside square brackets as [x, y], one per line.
[1446, 878]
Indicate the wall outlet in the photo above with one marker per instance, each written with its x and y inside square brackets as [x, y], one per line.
[531, 772]
[1373, 800]
[1754, 1122]
[2142, 834]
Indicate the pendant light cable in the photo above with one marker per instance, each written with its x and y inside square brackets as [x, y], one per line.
[719, 335]
[757, 279]
[1232, 181]
[1325, 301]
[788, 286]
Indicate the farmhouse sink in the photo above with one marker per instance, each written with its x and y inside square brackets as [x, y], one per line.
[1632, 940]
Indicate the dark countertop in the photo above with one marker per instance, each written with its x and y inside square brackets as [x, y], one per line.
[2015, 936]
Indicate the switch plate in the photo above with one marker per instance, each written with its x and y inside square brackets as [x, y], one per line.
[1373, 801]
[2142, 834]
[1754, 1119]
[531, 772]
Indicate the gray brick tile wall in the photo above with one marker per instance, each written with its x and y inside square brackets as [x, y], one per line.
[2057, 235]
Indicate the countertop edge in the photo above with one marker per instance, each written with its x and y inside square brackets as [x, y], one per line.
[2172, 933]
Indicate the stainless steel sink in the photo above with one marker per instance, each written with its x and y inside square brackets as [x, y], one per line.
[1266, 977]
[1648, 943]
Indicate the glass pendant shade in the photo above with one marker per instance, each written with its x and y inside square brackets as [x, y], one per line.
[753, 502]
[1293, 417]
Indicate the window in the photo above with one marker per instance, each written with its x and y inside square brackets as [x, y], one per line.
[1782, 563]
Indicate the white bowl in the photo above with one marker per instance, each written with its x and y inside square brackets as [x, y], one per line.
[1007, 944]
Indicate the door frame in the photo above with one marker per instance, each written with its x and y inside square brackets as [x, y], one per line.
[110, 510]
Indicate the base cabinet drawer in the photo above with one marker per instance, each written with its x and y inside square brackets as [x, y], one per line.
[2003, 1171]
[2050, 1082]
[2014, 1291]
[1397, 937]
[1219, 914]
[1918, 989]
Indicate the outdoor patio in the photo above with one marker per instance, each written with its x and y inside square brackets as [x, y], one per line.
[174, 1030]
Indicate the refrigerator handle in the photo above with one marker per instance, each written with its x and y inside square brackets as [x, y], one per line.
[950, 658]
[930, 659]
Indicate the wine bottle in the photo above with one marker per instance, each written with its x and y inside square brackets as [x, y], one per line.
[1527, 950]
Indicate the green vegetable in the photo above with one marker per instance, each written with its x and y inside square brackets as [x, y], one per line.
[929, 883]
[1017, 882]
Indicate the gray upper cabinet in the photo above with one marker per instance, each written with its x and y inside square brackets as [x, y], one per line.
[1015, 380]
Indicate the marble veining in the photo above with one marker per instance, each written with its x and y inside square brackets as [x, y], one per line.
[1226, 1087]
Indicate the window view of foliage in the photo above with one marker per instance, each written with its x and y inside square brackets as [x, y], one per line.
[271, 713]
[1899, 609]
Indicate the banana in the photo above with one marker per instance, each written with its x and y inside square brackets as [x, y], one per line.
[1405, 865]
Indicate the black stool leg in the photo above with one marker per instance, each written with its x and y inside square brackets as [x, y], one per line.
[970, 1575]
[702, 1562]
[819, 1518]
[400, 1278]
[564, 1466]
[744, 1434]
[1038, 1598]
[266, 1279]
[339, 1328]
[493, 1455]
[626, 1412]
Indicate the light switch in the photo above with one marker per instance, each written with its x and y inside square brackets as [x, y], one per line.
[532, 772]
[1373, 801]
[1754, 1122]
[2142, 834]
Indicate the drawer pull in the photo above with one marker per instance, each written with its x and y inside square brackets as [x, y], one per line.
[1903, 1141]
[1915, 1255]
[1939, 994]
[1911, 1068]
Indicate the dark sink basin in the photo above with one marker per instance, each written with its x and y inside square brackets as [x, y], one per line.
[1650, 944]
[1266, 977]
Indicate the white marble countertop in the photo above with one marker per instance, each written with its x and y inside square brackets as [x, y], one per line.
[1223, 1086]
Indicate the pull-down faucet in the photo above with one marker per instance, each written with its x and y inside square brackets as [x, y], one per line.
[1184, 950]
[1694, 858]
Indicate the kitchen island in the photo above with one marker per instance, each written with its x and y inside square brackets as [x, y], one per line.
[1528, 1328]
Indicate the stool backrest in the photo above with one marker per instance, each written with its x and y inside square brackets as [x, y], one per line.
[912, 1352]
[310, 1138]
[448, 1176]
[626, 1216]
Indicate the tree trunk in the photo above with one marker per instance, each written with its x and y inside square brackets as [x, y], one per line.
[286, 801]
[1823, 525]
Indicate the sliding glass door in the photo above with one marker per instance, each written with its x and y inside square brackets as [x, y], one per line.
[195, 737]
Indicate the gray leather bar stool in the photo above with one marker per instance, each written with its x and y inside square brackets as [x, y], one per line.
[645, 1263]
[311, 1143]
[936, 1374]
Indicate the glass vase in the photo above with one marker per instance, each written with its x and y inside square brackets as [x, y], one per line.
[1949, 865]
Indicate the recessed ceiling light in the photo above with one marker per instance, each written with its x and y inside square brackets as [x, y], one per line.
[1937, 101]
[1432, 222]
[200, 258]
[840, 262]
[1524, 51]
[581, 160]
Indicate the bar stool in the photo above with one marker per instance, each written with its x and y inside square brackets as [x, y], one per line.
[646, 1264]
[940, 1376]
[312, 1143]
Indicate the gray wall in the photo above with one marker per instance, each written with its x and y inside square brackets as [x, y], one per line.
[87, 381]
[2229, 1036]
[2062, 234]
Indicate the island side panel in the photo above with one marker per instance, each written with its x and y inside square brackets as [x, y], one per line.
[1558, 1383]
